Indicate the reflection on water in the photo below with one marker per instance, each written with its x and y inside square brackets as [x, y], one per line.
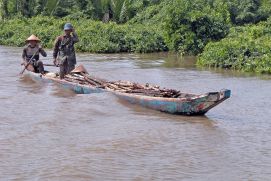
[138, 110]
[27, 84]
[58, 91]
[175, 61]
[167, 60]
[48, 133]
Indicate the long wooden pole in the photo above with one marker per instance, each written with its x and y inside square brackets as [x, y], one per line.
[50, 65]
[21, 73]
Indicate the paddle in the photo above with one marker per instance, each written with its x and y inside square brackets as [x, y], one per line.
[21, 73]
[50, 65]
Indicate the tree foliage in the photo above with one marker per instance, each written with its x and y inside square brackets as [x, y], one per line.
[245, 48]
[248, 11]
[190, 25]
[118, 10]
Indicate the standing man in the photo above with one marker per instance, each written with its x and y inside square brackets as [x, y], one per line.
[64, 52]
[31, 52]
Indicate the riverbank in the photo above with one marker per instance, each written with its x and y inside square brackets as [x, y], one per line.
[230, 35]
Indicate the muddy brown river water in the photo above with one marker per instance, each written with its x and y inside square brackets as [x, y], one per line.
[48, 133]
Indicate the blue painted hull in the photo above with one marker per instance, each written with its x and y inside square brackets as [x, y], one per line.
[77, 88]
[195, 105]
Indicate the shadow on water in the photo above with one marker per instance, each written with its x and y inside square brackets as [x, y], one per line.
[34, 87]
[166, 60]
[172, 60]
[27, 84]
[175, 61]
[142, 111]
[235, 73]
[58, 91]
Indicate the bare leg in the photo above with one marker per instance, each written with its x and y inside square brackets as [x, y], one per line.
[40, 66]
[63, 69]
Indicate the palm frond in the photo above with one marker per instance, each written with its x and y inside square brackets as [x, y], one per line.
[51, 6]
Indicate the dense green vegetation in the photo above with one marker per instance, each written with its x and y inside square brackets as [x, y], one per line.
[192, 24]
[224, 33]
[246, 48]
[116, 10]
[47, 18]
[94, 36]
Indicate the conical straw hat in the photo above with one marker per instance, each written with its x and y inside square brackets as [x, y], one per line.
[33, 38]
[80, 69]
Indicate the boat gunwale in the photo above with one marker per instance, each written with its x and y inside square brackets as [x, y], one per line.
[134, 95]
[167, 99]
[62, 81]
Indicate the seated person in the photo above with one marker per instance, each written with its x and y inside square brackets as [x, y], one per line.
[33, 49]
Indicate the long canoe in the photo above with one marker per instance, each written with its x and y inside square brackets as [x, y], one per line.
[183, 103]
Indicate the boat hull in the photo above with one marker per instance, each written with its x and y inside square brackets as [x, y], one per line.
[193, 105]
[77, 88]
[197, 105]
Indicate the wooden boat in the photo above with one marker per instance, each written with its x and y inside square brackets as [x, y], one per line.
[71, 85]
[185, 104]
[149, 96]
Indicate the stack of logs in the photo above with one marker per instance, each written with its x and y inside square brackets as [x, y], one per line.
[123, 86]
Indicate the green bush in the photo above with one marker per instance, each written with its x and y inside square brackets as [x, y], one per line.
[249, 11]
[190, 25]
[94, 36]
[246, 48]
[153, 15]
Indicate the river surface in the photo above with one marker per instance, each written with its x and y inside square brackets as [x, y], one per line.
[48, 133]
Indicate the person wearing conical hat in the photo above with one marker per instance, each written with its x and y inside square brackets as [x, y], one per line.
[64, 51]
[33, 49]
